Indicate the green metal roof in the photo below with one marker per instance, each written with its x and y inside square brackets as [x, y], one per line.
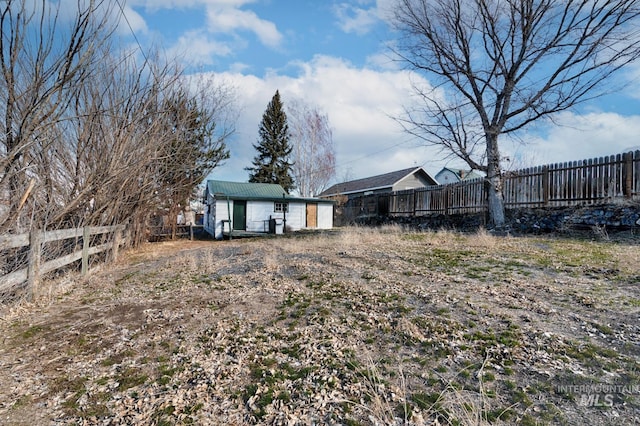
[252, 191]
[245, 190]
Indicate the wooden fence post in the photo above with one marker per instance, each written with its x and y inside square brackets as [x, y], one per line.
[117, 237]
[415, 202]
[446, 200]
[627, 174]
[545, 185]
[85, 250]
[33, 271]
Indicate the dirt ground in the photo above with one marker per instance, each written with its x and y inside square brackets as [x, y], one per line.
[355, 326]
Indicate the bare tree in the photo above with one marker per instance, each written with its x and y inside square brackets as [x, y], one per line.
[89, 135]
[313, 155]
[498, 66]
[43, 61]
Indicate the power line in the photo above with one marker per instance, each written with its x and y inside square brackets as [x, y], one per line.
[132, 32]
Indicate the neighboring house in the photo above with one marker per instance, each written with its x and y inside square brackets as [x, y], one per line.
[262, 208]
[412, 178]
[451, 175]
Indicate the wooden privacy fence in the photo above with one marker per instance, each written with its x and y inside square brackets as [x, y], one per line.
[34, 241]
[586, 182]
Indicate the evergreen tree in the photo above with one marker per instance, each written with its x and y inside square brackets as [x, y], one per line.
[271, 164]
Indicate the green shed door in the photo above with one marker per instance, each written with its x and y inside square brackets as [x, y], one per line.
[239, 215]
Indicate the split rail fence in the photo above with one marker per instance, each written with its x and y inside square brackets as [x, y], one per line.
[83, 243]
[586, 182]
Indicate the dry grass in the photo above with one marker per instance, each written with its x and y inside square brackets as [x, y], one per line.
[354, 326]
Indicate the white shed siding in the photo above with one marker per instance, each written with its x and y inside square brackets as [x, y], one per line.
[296, 216]
[222, 213]
[325, 216]
[258, 215]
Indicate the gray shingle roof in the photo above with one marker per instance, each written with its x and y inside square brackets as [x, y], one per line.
[370, 183]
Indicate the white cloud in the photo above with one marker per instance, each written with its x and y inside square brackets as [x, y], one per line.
[580, 137]
[225, 20]
[361, 19]
[353, 19]
[219, 17]
[154, 5]
[196, 48]
[359, 102]
[131, 21]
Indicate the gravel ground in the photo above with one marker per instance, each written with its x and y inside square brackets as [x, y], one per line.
[354, 326]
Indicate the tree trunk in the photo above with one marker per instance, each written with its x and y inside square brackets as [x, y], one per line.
[494, 178]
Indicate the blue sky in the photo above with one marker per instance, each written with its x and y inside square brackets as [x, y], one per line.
[333, 55]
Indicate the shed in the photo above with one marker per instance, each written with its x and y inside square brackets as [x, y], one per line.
[411, 178]
[260, 208]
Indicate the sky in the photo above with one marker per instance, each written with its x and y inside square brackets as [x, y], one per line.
[334, 55]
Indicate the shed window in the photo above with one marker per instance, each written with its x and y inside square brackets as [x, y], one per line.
[281, 207]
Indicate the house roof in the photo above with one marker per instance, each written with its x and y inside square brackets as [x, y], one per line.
[374, 182]
[467, 174]
[251, 191]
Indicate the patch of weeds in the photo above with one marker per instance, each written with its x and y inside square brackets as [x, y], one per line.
[162, 416]
[403, 309]
[603, 328]
[34, 330]
[76, 387]
[437, 349]
[125, 278]
[509, 385]
[367, 275]
[165, 373]
[403, 411]
[510, 338]
[129, 378]
[293, 373]
[262, 403]
[519, 396]
[249, 391]
[102, 381]
[488, 377]
[292, 350]
[591, 355]
[193, 409]
[170, 347]
[22, 401]
[465, 374]
[500, 414]
[117, 358]
[201, 279]
[433, 403]
[284, 396]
